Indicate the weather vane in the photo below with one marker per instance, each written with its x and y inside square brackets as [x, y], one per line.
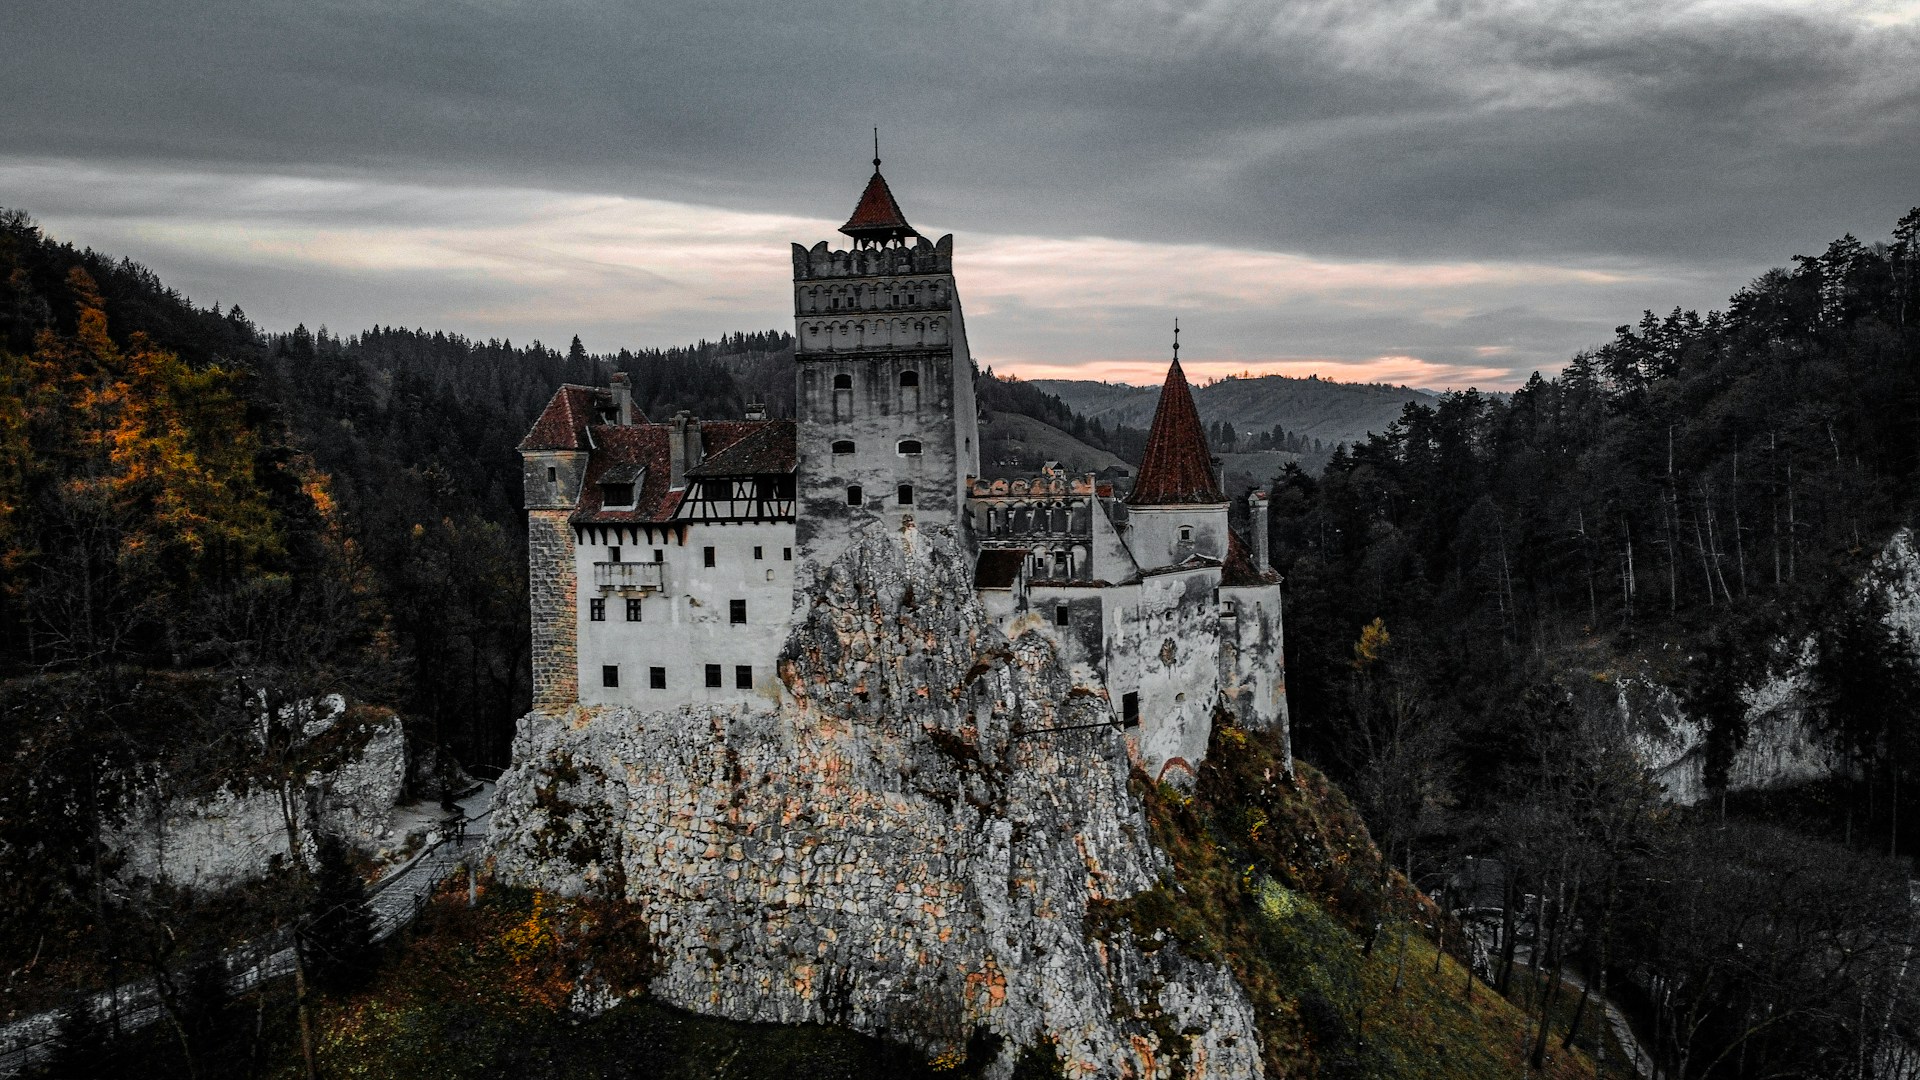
[876, 149]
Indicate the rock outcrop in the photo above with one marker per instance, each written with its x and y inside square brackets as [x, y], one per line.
[906, 844]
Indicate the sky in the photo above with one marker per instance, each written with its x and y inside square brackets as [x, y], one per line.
[1443, 193]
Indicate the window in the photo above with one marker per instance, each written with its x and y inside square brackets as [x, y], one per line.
[597, 609]
[633, 609]
[616, 494]
[706, 554]
[1061, 615]
[757, 556]
[737, 612]
[613, 554]
[553, 475]
[1130, 710]
[713, 675]
[843, 382]
[905, 494]
[659, 556]
[1186, 534]
[786, 554]
[610, 675]
[743, 677]
[910, 447]
[909, 378]
[843, 446]
[657, 678]
[1229, 609]
[853, 495]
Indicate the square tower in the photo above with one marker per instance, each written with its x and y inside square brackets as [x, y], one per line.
[887, 430]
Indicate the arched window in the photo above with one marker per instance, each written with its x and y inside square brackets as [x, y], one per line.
[905, 495]
[843, 382]
[843, 446]
[910, 446]
[909, 378]
[854, 497]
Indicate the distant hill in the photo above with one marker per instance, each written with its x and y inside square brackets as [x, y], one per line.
[1015, 445]
[1332, 412]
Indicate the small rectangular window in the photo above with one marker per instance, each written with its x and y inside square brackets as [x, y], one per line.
[597, 609]
[713, 675]
[553, 475]
[1130, 710]
[659, 556]
[757, 553]
[1061, 615]
[853, 495]
[1229, 609]
[905, 494]
[657, 678]
[743, 677]
[613, 554]
[787, 554]
[610, 675]
[707, 554]
[736, 611]
[633, 609]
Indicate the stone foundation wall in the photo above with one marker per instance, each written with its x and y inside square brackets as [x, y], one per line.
[910, 845]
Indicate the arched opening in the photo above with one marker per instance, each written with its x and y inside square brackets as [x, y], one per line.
[910, 447]
[909, 378]
[843, 446]
[843, 382]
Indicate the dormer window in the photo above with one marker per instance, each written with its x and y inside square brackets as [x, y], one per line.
[618, 484]
[843, 446]
[843, 382]
[910, 447]
[616, 496]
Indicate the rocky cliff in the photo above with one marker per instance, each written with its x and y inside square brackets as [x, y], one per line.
[907, 844]
[1780, 745]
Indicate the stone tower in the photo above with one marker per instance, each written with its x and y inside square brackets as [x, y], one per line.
[884, 396]
[1176, 510]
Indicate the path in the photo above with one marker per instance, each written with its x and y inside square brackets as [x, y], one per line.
[396, 899]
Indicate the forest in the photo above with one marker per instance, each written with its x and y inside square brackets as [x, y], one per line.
[1481, 602]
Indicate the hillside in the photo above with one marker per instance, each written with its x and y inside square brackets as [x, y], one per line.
[1013, 444]
[1332, 412]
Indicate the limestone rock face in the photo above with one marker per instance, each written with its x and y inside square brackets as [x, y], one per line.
[907, 844]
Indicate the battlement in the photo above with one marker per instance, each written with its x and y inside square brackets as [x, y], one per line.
[922, 257]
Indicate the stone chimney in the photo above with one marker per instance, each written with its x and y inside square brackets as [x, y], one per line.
[622, 399]
[1257, 510]
[683, 447]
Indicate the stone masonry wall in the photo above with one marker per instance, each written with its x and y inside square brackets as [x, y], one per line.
[908, 846]
[555, 597]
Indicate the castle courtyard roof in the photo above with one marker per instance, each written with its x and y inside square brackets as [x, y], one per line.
[1177, 469]
[768, 447]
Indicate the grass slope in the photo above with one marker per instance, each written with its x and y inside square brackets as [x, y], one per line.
[1023, 444]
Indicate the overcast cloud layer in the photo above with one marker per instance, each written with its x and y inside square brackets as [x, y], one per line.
[1439, 193]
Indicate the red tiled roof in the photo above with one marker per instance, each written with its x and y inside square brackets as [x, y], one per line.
[1239, 568]
[563, 423]
[1177, 469]
[878, 216]
[621, 451]
[768, 448]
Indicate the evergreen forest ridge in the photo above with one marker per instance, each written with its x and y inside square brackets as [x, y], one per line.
[1481, 590]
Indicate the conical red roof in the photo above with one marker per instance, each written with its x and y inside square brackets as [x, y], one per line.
[878, 216]
[1177, 469]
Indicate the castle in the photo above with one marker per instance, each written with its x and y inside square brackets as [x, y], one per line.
[663, 556]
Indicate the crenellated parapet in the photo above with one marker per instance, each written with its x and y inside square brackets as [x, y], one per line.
[820, 262]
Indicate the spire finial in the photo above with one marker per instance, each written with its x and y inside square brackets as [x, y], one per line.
[876, 149]
[1176, 339]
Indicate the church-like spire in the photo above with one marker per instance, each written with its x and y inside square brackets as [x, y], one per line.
[878, 218]
[1177, 469]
